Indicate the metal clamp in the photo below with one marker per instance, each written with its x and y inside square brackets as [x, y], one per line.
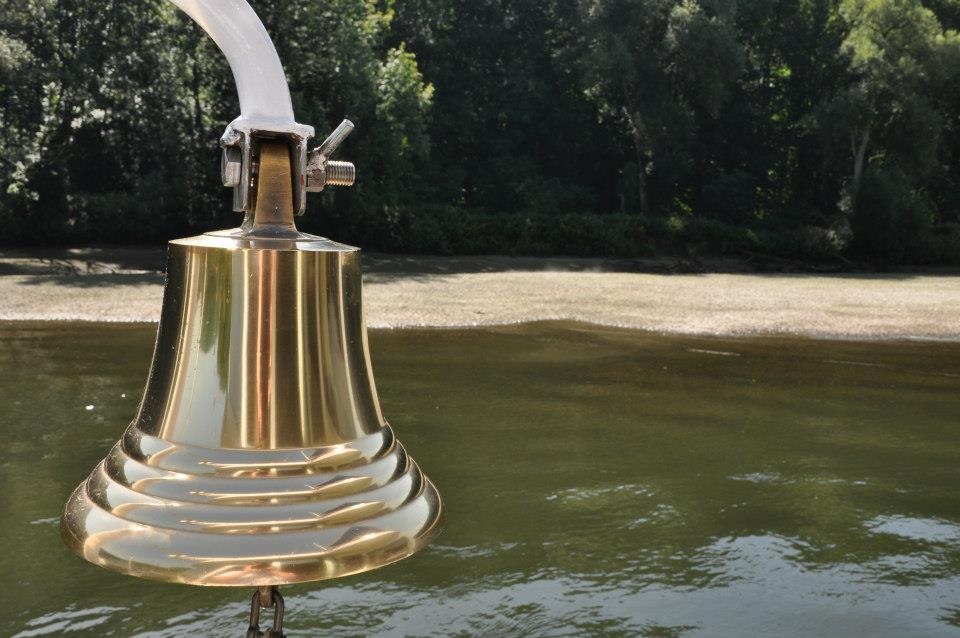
[238, 163]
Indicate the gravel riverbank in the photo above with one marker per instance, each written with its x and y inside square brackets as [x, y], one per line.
[126, 284]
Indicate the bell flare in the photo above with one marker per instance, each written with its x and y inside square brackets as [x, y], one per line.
[185, 514]
[259, 455]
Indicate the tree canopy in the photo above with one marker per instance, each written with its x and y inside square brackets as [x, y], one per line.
[805, 129]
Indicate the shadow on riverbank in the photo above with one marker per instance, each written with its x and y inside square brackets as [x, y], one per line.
[103, 265]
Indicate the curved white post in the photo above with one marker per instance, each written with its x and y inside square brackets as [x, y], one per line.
[261, 83]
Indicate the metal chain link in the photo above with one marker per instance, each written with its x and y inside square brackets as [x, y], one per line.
[266, 597]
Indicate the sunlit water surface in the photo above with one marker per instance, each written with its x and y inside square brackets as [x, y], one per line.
[598, 482]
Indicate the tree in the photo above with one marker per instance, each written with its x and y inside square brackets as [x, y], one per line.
[646, 65]
[90, 146]
[512, 129]
[900, 57]
[112, 134]
[891, 120]
[761, 125]
[339, 63]
[765, 131]
[403, 106]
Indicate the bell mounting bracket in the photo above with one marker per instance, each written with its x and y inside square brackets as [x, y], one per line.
[266, 110]
[312, 171]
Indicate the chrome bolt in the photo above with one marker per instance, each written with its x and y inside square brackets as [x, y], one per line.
[335, 139]
[341, 173]
[321, 171]
[230, 165]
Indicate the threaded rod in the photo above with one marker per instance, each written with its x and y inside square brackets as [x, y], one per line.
[341, 173]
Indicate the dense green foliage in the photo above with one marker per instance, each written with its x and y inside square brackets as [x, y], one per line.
[807, 129]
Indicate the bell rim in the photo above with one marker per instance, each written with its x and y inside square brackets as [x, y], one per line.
[117, 540]
[428, 535]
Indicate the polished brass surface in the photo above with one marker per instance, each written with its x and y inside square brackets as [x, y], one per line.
[259, 455]
[274, 195]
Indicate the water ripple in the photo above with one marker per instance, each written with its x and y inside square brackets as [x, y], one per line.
[70, 620]
[930, 530]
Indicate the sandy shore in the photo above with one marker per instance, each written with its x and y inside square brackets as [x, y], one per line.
[126, 284]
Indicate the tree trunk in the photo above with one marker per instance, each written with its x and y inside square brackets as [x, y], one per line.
[196, 204]
[859, 151]
[640, 148]
[642, 179]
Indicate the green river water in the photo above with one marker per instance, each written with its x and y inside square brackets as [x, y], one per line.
[598, 482]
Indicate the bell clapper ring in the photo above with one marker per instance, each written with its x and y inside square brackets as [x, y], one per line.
[266, 596]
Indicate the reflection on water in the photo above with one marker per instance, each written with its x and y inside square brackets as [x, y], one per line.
[920, 529]
[599, 482]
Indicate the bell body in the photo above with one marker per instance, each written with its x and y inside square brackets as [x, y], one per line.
[259, 455]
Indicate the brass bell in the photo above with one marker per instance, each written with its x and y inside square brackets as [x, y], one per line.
[259, 455]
